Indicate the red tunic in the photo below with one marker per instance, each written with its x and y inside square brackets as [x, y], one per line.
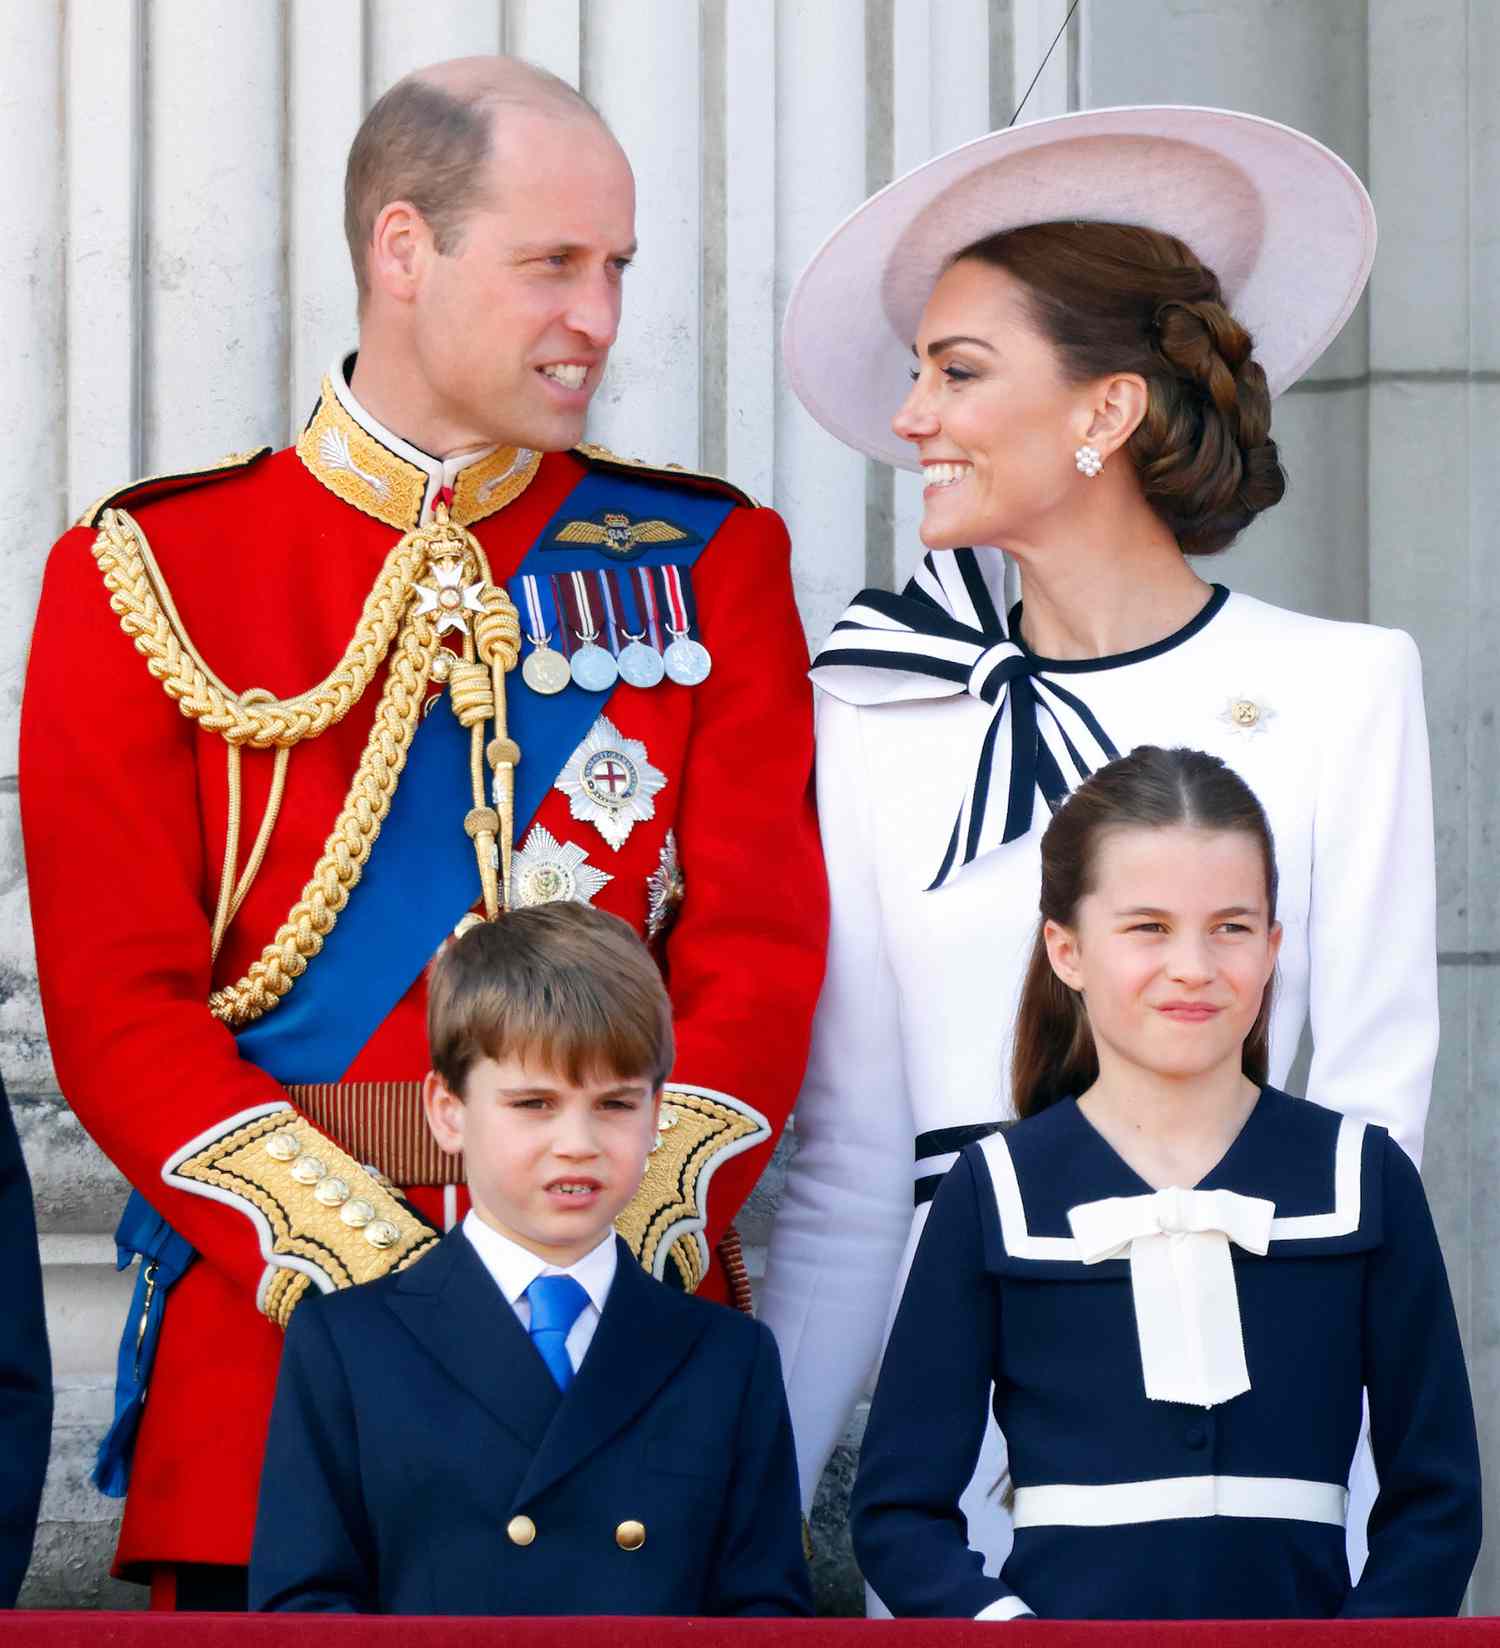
[124, 813]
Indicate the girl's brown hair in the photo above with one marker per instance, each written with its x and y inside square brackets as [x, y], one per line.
[1150, 788]
[1110, 298]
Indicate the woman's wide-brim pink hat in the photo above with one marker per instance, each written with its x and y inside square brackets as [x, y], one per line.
[1284, 223]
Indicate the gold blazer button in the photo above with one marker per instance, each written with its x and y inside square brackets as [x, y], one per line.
[630, 1536]
[520, 1530]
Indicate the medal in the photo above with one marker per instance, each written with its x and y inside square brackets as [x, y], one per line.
[640, 665]
[609, 782]
[640, 657]
[687, 661]
[546, 671]
[543, 670]
[449, 597]
[547, 870]
[593, 668]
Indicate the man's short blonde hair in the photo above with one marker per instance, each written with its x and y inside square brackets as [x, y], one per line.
[563, 986]
[428, 141]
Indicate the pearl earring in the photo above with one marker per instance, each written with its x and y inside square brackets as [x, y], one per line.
[1088, 461]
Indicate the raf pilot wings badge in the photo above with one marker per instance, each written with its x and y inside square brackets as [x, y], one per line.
[613, 533]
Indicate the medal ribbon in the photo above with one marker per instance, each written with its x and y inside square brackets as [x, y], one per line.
[678, 597]
[648, 604]
[568, 620]
[536, 615]
[607, 606]
[588, 630]
[627, 613]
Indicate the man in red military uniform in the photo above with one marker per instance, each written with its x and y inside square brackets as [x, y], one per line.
[289, 717]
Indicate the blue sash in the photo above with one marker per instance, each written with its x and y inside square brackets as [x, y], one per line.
[421, 876]
[419, 880]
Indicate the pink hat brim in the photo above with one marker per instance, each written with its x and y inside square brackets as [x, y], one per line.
[1284, 223]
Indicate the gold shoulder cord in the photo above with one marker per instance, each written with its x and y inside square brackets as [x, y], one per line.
[393, 623]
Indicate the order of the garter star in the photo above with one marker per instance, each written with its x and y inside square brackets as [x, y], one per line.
[609, 782]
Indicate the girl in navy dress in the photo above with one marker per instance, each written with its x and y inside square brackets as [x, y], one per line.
[1177, 1371]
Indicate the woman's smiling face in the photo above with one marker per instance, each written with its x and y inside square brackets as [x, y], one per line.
[990, 413]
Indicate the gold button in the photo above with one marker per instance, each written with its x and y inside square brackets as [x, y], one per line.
[331, 1192]
[381, 1233]
[1246, 712]
[520, 1530]
[283, 1147]
[630, 1536]
[307, 1170]
[357, 1214]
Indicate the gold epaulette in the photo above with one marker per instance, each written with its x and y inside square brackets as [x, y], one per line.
[600, 457]
[155, 486]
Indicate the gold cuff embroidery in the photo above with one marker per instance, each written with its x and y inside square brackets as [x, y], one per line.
[665, 1218]
[328, 1220]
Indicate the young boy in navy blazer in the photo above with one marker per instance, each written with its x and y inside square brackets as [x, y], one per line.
[524, 1422]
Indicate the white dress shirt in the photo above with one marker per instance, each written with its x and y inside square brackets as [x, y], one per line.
[515, 1268]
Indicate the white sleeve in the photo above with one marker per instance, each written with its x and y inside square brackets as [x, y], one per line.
[1008, 1607]
[1372, 931]
[841, 1229]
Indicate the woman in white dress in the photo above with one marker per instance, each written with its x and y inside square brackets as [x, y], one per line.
[1096, 399]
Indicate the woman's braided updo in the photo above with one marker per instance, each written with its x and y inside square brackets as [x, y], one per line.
[1114, 298]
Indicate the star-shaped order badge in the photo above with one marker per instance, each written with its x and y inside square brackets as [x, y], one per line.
[547, 871]
[451, 598]
[609, 782]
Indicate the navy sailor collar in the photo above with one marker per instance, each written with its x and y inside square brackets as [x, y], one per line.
[1321, 1169]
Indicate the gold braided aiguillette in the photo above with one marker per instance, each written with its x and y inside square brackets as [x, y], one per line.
[139, 596]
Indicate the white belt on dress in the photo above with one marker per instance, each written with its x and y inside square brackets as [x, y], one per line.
[1168, 1498]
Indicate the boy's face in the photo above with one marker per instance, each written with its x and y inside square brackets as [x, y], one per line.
[549, 1164]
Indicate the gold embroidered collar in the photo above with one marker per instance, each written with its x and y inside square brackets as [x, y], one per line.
[362, 462]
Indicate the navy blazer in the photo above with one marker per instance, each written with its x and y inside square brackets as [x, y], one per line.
[1159, 1509]
[25, 1366]
[417, 1436]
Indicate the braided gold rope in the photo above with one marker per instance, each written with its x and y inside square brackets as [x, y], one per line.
[311, 919]
[139, 596]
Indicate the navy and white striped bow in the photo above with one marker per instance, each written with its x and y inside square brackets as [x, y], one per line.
[943, 636]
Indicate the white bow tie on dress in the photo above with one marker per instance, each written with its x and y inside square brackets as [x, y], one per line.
[1187, 1308]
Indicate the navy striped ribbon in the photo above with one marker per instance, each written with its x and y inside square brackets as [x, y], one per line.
[941, 637]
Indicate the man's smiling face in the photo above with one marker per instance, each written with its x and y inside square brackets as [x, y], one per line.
[513, 326]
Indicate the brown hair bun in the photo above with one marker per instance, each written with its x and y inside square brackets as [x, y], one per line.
[1112, 297]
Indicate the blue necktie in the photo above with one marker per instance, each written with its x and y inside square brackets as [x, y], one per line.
[555, 1303]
